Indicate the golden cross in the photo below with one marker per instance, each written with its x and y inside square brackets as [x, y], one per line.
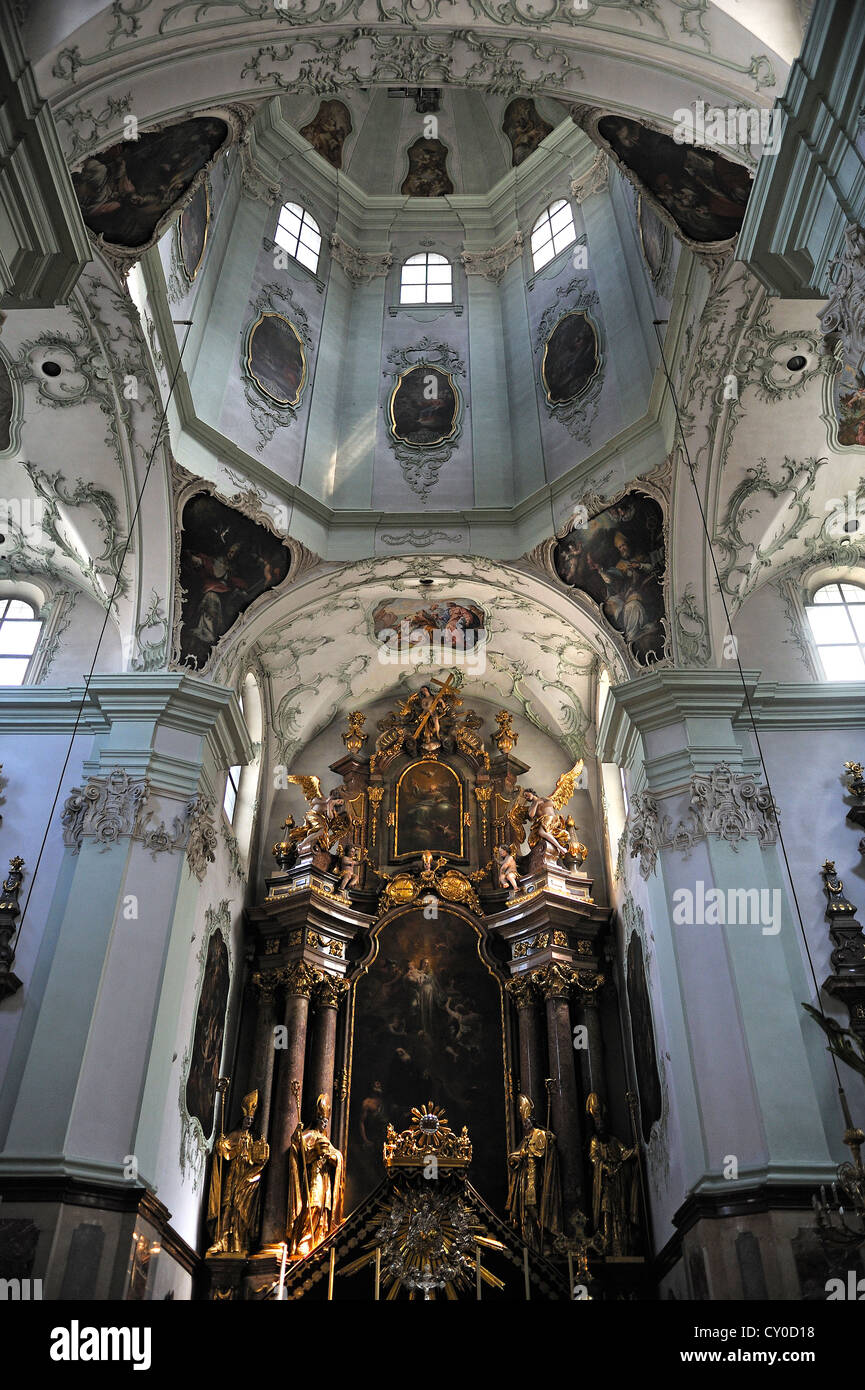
[446, 689]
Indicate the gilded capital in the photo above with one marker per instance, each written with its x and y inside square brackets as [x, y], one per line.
[299, 978]
[555, 981]
[329, 991]
[522, 991]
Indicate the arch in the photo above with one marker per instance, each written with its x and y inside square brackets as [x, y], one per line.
[426, 278]
[836, 614]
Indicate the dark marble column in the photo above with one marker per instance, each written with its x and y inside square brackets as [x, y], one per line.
[555, 983]
[328, 993]
[260, 1076]
[591, 1058]
[531, 1061]
[299, 980]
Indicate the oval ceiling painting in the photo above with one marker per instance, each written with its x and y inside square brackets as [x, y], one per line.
[276, 360]
[571, 358]
[424, 406]
[192, 227]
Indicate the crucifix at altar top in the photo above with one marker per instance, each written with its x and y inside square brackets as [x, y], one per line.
[430, 704]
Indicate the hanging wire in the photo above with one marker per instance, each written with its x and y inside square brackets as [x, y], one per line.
[735, 648]
[79, 712]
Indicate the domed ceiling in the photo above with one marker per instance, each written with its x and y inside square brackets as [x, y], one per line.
[469, 140]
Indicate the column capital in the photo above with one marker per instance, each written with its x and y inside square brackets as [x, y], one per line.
[329, 990]
[555, 981]
[522, 991]
[299, 978]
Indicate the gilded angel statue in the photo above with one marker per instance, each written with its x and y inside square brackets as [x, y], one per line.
[545, 821]
[326, 818]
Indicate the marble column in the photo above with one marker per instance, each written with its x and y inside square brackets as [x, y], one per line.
[555, 983]
[531, 1073]
[591, 1057]
[260, 1075]
[328, 993]
[300, 980]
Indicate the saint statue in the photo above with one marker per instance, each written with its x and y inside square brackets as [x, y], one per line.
[316, 1179]
[615, 1187]
[534, 1202]
[232, 1205]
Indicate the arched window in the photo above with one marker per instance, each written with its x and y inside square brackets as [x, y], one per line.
[19, 633]
[553, 231]
[603, 692]
[837, 617]
[241, 782]
[299, 235]
[426, 279]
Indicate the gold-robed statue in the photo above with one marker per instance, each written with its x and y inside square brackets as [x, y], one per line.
[534, 1202]
[615, 1187]
[232, 1204]
[316, 1179]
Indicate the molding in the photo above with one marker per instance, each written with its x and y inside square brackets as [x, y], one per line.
[48, 243]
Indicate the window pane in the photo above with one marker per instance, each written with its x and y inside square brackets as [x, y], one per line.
[285, 240]
[541, 238]
[435, 259]
[843, 663]
[439, 274]
[541, 257]
[853, 593]
[18, 638]
[439, 294]
[563, 239]
[307, 257]
[13, 669]
[413, 274]
[830, 593]
[19, 609]
[289, 221]
[561, 219]
[310, 238]
[412, 294]
[858, 616]
[830, 625]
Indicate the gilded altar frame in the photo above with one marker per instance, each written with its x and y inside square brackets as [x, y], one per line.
[399, 854]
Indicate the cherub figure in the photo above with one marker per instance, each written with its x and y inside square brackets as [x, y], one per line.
[579, 852]
[349, 867]
[506, 866]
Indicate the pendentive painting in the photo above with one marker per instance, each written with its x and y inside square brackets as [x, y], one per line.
[643, 1036]
[424, 406]
[427, 175]
[848, 390]
[571, 358]
[704, 193]
[192, 228]
[524, 128]
[226, 562]
[126, 190]
[446, 620]
[618, 560]
[209, 1035]
[429, 811]
[328, 132]
[276, 360]
[427, 1027]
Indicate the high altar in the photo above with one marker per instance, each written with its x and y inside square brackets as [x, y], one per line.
[431, 1038]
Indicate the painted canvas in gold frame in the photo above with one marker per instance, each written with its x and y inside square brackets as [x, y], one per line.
[571, 357]
[275, 358]
[417, 420]
[428, 811]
